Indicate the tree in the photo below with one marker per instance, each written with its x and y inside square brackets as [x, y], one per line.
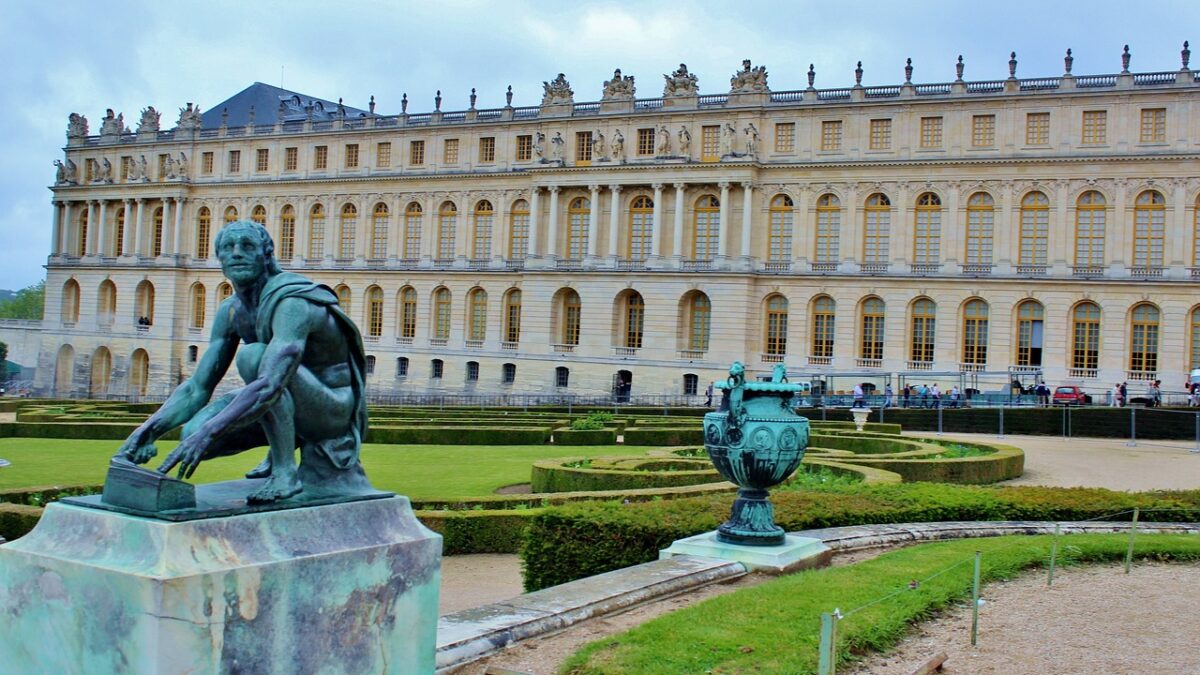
[28, 304]
[3, 363]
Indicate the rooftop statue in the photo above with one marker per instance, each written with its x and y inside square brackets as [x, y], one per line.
[619, 88]
[681, 83]
[557, 91]
[112, 125]
[61, 174]
[749, 80]
[150, 120]
[77, 126]
[304, 367]
[189, 118]
[103, 172]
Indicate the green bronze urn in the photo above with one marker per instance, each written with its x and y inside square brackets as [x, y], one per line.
[756, 440]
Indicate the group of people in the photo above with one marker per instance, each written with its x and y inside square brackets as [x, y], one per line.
[928, 396]
[1119, 396]
[143, 321]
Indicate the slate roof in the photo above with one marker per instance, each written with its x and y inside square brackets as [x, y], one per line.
[271, 104]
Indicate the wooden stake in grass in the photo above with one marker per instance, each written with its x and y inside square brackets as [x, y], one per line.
[975, 602]
[1132, 534]
[827, 658]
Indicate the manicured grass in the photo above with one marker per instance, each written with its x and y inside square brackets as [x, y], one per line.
[775, 627]
[419, 471]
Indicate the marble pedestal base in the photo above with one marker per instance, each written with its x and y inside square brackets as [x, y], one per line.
[796, 552]
[339, 588]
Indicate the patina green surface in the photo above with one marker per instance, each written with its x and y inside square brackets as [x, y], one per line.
[304, 367]
[755, 441]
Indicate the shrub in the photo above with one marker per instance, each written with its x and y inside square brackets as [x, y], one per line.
[16, 520]
[478, 531]
[585, 437]
[664, 437]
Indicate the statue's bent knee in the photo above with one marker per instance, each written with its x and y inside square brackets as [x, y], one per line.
[249, 357]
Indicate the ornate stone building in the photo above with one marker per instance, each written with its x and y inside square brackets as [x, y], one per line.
[1043, 227]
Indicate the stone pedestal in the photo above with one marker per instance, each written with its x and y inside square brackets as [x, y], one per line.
[350, 587]
[796, 552]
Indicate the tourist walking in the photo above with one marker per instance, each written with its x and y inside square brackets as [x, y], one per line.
[708, 392]
[907, 394]
[954, 396]
[924, 396]
[1124, 398]
[888, 396]
[937, 396]
[1114, 396]
[858, 397]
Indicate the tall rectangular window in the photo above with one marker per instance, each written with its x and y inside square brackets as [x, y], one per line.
[645, 142]
[321, 157]
[262, 160]
[487, 149]
[931, 132]
[352, 155]
[235, 161]
[126, 162]
[583, 146]
[383, 155]
[416, 153]
[1154, 125]
[831, 135]
[983, 131]
[450, 151]
[206, 163]
[710, 142]
[524, 148]
[785, 137]
[1037, 128]
[881, 134]
[291, 159]
[162, 166]
[1095, 127]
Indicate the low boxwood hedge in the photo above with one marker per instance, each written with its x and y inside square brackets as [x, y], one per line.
[1162, 423]
[478, 531]
[567, 436]
[44, 494]
[557, 475]
[16, 520]
[692, 435]
[458, 435]
[1004, 463]
[577, 540]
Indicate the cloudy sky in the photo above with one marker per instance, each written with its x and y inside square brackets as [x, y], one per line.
[71, 56]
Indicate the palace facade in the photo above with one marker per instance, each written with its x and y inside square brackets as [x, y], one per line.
[1044, 228]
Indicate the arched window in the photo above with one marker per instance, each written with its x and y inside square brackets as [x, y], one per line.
[436, 369]
[1089, 229]
[106, 304]
[927, 236]
[508, 373]
[1030, 333]
[198, 306]
[975, 333]
[408, 312]
[412, 231]
[871, 345]
[641, 228]
[572, 314]
[343, 296]
[224, 290]
[81, 241]
[477, 314]
[447, 222]
[231, 214]
[1143, 339]
[877, 228]
[401, 367]
[203, 232]
[1149, 222]
[347, 231]
[481, 243]
[707, 244]
[923, 331]
[379, 231]
[374, 312]
[562, 377]
[1085, 338]
[518, 230]
[64, 370]
[776, 326]
[144, 303]
[699, 321]
[101, 371]
[370, 364]
[512, 317]
[824, 311]
[633, 319]
[258, 214]
[691, 384]
[287, 233]
[578, 213]
[829, 229]
[139, 372]
[441, 314]
[316, 232]
[1035, 229]
[779, 238]
[156, 248]
[70, 303]
[1195, 340]
[472, 371]
[980, 224]
[119, 239]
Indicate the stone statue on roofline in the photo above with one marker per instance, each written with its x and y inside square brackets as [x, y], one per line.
[77, 126]
[60, 172]
[112, 125]
[619, 88]
[189, 119]
[149, 121]
[749, 80]
[557, 91]
[681, 83]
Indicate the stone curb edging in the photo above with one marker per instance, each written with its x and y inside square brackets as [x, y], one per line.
[474, 633]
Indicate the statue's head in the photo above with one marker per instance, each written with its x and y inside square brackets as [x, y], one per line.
[246, 252]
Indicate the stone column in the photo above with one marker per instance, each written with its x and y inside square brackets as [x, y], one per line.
[677, 234]
[1176, 253]
[93, 226]
[593, 221]
[953, 227]
[552, 224]
[801, 231]
[101, 225]
[177, 228]
[904, 229]
[68, 228]
[1061, 251]
[56, 245]
[535, 211]
[1003, 230]
[656, 222]
[1118, 236]
[614, 222]
[723, 224]
[501, 227]
[850, 236]
[128, 243]
[747, 217]
[167, 222]
[139, 235]
[428, 223]
[302, 235]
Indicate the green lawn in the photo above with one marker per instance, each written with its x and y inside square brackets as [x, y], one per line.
[419, 471]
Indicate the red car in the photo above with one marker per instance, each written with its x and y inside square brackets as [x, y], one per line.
[1071, 395]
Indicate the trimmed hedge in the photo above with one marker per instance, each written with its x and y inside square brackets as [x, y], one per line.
[664, 437]
[1005, 463]
[458, 435]
[567, 436]
[44, 494]
[578, 540]
[553, 476]
[97, 431]
[478, 531]
[16, 520]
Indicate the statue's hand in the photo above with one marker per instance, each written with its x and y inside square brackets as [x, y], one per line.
[138, 449]
[187, 455]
